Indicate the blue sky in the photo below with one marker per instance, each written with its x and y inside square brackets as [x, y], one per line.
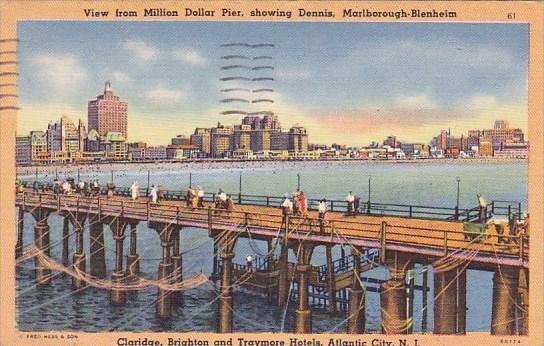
[346, 82]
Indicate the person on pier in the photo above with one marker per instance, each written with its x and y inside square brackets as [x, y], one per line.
[135, 191]
[322, 213]
[303, 204]
[67, 188]
[189, 197]
[229, 204]
[350, 199]
[483, 209]
[222, 198]
[200, 195]
[296, 206]
[286, 206]
[154, 194]
[249, 263]
[81, 188]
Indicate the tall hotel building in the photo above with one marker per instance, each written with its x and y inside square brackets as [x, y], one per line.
[107, 113]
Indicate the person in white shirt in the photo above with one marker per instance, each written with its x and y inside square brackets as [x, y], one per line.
[286, 205]
[483, 208]
[67, 187]
[200, 194]
[135, 190]
[249, 261]
[154, 194]
[350, 199]
[322, 210]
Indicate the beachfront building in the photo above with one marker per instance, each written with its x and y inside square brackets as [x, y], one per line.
[112, 146]
[221, 140]
[242, 136]
[23, 150]
[180, 140]
[279, 140]
[38, 147]
[201, 138]
[485, 148]
[182, 152]
[513, 150]
[64, 135]
[107, 113]
[298, 139]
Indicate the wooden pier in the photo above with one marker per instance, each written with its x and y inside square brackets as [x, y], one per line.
[395, 235]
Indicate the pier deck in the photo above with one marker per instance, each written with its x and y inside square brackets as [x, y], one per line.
[415, 236]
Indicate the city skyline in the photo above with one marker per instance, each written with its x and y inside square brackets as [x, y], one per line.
[459, 76]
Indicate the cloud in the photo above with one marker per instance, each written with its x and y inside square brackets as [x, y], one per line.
[58, 70]
[289, 74]
[165, 95]
[190, 56]
[418, 101]
[36, 116]
[121, 77]
[141, 50]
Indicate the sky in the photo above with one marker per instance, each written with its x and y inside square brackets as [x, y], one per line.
[348, 83]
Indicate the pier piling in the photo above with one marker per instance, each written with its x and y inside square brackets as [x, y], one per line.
[393, 295]
[303, 314]
[177, 268]
[523, 305]
[133, 258]
[79, 259]
[41, 240]
[505, 287]
[118, 293]
[331, 281]
[225, 299]
[356, 303]
[97, 252]
[66, 241]
[283, 267]
[20, 230]
[164, 298]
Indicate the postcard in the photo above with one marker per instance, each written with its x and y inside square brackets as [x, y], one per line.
[289, 173]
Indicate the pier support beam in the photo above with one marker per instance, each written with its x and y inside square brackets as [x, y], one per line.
[356, 303]
[118, 295]
[177, 268]
[424, 305]
[283, 268]
[303, 315]
[523, 305]
[331, 281]
[505, 291]
[66, 241]
[133, 259]
[20, 230]
[97, 251]
[41, 240]
[450, 301]
[225, 248]
[393, 295]
[167, 234]
[79, 259]
[164, 306]
[225, 299]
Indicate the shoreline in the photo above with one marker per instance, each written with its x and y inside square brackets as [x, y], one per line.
[230, 164]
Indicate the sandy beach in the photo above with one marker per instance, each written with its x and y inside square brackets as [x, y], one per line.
[237, 165]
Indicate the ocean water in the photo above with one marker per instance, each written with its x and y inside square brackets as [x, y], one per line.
[55, 307]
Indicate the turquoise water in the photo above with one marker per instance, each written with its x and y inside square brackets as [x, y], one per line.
[432, 184]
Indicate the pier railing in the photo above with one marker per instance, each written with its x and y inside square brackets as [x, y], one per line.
[496, 207]
[439, 238]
